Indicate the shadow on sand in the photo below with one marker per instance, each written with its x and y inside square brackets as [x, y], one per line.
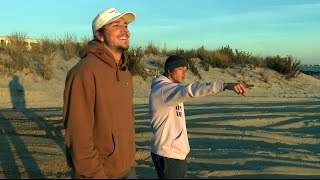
[21, 132]
[284, 142]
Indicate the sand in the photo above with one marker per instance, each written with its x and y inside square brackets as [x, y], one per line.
[272, 133]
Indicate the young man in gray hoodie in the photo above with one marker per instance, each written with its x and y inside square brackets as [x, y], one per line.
[169, 144]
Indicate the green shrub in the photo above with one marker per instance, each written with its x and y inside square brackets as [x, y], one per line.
[227, 52]
[17, 51]
[43, 57]
[246, 58]
[220, 58]
[49, 47]
[258, 61]
[201, 54]
[135, 66]
[177, 51]
[159, 63]
[287, 66]
[69, 46]
[152, 49]
[164, 50]
[216, 59]
[83, 43]
[40, 58]
[42, 65]
[242, 57]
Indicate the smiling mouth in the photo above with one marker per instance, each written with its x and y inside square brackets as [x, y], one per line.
[124, 37]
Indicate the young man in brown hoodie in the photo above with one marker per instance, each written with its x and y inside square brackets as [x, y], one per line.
[98, 103]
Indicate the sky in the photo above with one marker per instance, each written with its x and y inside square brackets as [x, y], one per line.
[261, 27]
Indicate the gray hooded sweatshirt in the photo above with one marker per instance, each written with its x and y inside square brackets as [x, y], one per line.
[170, 138]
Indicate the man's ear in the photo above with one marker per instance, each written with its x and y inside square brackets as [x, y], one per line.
[99, 36]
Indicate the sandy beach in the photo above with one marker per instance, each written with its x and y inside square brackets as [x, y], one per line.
[238, 137]
[272, 133]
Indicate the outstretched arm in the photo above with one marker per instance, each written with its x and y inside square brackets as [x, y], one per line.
[174, 93]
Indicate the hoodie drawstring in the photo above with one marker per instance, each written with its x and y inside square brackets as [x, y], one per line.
[117, 75]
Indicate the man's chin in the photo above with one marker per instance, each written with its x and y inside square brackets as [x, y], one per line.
[123, 48]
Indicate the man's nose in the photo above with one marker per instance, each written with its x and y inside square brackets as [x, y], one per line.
[125, 29]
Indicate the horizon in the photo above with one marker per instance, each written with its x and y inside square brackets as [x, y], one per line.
[261, 27]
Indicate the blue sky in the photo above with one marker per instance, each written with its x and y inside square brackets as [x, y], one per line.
[262, 27]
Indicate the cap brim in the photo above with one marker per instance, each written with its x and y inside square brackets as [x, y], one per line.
[129, 17]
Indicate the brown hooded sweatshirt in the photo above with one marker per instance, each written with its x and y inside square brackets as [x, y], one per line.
[99, 116]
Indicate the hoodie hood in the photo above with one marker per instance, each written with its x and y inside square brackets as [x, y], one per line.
[99, 50]
[159, 80]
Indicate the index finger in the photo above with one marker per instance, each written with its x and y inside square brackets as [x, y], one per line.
[248, 85]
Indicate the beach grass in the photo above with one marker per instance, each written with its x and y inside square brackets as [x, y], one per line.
[39, 58]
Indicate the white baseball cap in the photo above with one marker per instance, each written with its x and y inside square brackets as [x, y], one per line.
[110, 15]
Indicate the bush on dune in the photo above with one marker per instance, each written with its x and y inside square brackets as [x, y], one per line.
[39, 59]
